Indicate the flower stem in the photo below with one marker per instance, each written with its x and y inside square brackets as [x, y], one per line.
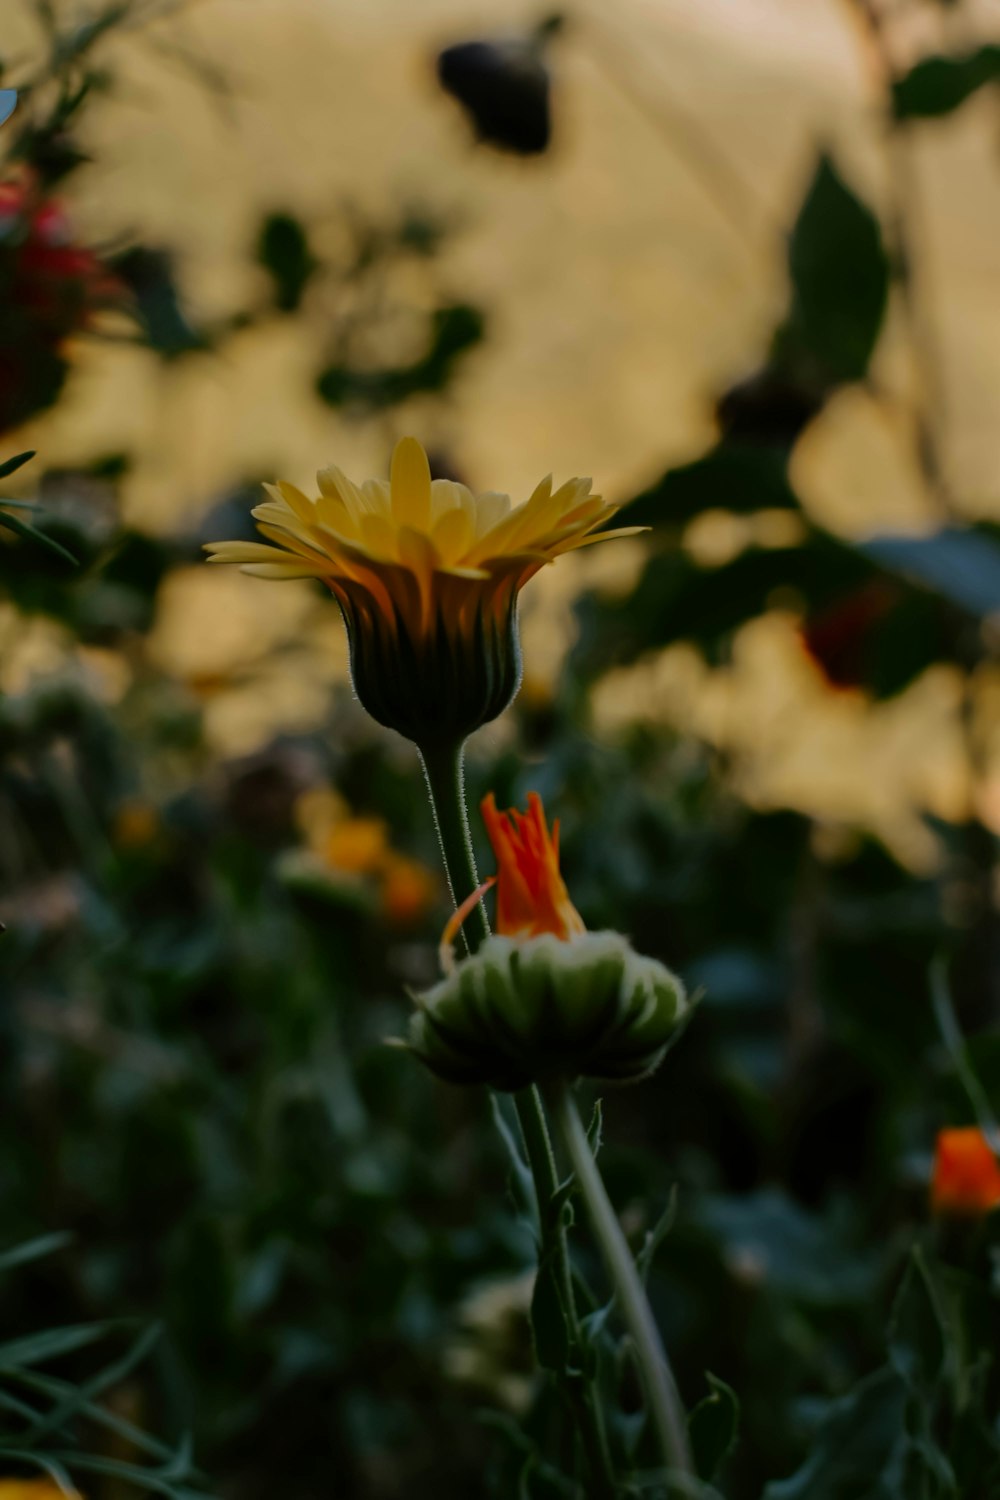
[443, 770]
[665, 1407]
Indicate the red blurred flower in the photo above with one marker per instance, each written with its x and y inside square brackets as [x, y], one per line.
[50, 288]
[838, 639]
[966, 1180]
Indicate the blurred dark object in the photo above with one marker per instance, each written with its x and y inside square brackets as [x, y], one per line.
[149, 276]
[936, 86]
[259, 792]
[454, 330]
[837, 638]
[50, 288]
[504, 86]
[772, 407]
[283, 250]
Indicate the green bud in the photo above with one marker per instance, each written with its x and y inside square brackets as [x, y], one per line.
[524, 1011]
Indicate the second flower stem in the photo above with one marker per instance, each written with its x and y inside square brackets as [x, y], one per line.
[443, 770]
[664, 1403]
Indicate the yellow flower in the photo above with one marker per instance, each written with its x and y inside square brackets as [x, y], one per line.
[427, 576]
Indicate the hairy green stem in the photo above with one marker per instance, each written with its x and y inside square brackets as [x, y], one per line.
[665, 1407]
[443, 770]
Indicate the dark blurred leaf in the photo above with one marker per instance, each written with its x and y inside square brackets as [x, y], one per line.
[454, 330]
[548, 1324]
[504, 86]
[961, 565]
[730, 477]
[769, 1240]
[149, 276]
[771, 407]
[676, 600]
[20, 1255]
[840, 280]
[858, 1452]
[655, 1236]
[32, 534]
[714, 1428]
[917, 1331]
[283, 250]
[10, 464]
[937, 85]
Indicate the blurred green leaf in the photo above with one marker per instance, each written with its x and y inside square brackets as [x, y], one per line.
[858, 1452]
[548, 1322]
[283, 250]
[840, 279]
[918, 1335]
[9, 465]
[730, 477]
[149, 276]
[20, 1255]
[455, 329]
[714, 1427]
[936, 86]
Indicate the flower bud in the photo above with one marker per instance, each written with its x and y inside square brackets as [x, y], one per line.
[966, 1179]
[524, 1011]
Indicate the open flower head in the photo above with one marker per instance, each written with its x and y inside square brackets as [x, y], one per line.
[427, 576]
[544, 998]
[966, 1178]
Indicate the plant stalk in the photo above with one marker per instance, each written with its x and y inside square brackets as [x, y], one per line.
[666, 1411]
[443, 770]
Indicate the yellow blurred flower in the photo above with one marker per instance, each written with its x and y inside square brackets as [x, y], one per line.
[342, 844]
[34, 1489]
[427, 576]
[136, 824]
[356, 846]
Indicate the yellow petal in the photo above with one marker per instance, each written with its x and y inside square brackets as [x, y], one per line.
[418, 553]
[604, 536]
[491, 507]
[335, 513]
[298, 503]
[410, 482]
[453, 534]
[334, 483]
[379, 536]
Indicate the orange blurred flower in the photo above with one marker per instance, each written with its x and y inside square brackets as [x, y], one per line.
[966, 1178]
[531, 894]
[409, 888]
[359, 848]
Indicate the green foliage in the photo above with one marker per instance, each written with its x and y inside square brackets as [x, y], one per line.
[454, 330]
[714, 1424]
[839, 272]
[937, 86]
[283, 250]
[46, 1417]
